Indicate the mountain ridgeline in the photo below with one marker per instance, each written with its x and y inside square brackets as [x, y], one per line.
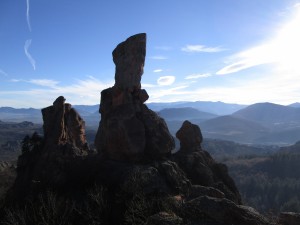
[260, 123]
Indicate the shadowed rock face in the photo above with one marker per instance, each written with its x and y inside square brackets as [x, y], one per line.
[129, 57]
[190, 137]
[199, 166]
[128, 130]
[62, 125]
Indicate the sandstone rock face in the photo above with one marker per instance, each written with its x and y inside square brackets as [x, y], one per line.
[62, 125]
[128, 130]
[199, 166]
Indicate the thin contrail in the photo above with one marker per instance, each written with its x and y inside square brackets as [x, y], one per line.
[26, 47]
[3, 73]
[27, 15]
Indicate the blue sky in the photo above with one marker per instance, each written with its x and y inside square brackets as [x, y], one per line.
[235, 51]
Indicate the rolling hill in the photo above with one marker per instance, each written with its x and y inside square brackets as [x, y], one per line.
[217, 108]
[272, 115]
[186, 113]
[232, 129]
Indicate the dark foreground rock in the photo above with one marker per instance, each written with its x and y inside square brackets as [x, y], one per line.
[289, 218]
[218, 211]
[48, 162]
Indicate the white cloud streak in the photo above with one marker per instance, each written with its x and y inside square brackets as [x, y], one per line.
[197, 76]
[165, 80]
[81, 92]
[157, 71]
[39, 82]
[44, 82]
[201, 48]
[26, 48]
[27, 14]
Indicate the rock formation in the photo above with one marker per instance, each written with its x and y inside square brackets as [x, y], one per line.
[63, 125]
[50, 161]
[128, 130]
[131, 180]
[190, 137]
[199, 166]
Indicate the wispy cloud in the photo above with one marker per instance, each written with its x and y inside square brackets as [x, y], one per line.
[26, 47]
[159, 94]
[166, 80]
[158, 57]
[27, 14]
[148, 85]
[83, 91]
[157, 71]
[44, 82]
[3, 73]
[197, 76]
[39, 82]
[201, 48]
[258, 55]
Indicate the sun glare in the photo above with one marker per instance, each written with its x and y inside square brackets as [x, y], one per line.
[287, 43]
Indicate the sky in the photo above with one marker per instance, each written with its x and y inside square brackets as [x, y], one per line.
[235, 51]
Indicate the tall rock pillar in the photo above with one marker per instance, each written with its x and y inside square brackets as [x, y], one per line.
[128, 130]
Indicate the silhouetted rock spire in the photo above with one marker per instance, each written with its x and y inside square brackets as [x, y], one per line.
[190, 137]
[129, 58]
[62, 125]
[128, 129]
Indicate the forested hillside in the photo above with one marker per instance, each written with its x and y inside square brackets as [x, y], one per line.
[268, 183]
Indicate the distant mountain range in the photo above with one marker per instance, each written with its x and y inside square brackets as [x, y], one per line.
[217, 108]
[271, 115]
[261, 123]
[185, 113]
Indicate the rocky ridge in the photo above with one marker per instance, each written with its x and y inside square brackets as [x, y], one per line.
[134, 177]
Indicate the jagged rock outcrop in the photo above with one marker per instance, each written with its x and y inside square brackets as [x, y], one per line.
[128, 130]
[63, 125]
[199, 166]
[52, 161]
